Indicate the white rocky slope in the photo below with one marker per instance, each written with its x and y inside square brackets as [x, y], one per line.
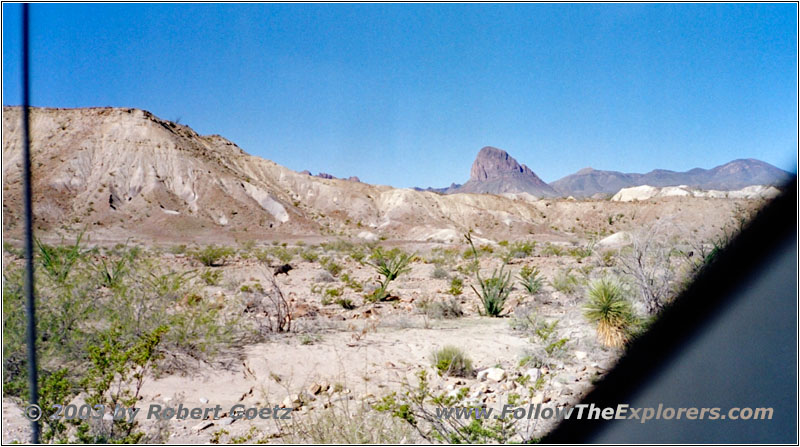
[646, 192]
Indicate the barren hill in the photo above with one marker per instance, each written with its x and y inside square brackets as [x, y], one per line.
[122, 173]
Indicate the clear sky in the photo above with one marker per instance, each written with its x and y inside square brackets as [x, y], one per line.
[406, 95]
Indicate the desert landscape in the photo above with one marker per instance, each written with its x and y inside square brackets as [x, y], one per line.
[176, 269]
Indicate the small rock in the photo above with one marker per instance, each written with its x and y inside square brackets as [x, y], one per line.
[540, 398]
[314, 389]
[225, 421]
[292, 401]
[580, 355]
[203, 400]
[493, 374]
[202, 426]
[533, 374]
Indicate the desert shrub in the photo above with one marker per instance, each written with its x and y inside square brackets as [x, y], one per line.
[346, 303]
[309, 255]
[352, 282]
[607, 258]
[610, 310]
[521, 249]
[494, 290]
[347, 422]
[389, 264]
[451, 361]
[440, 309]
[456, 286]
[76, 307]
[421, 409]
[57, 261]
[118, 370]
[283, 254]
[439, 273]
[530, 279]
[553, 250]
[580, 253]
[330, 265]
[469, 268]
[211, 277]
[212, 256]
[357, 254]
[649, 263]
[565, 282]
[333, 292]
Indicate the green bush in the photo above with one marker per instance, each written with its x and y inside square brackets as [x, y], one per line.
[530, 279]
[610, 310]
[456, 286]
[390, 265]
[211, 277]
[451, 361]
[331, 266]
[565, 282]
[439, 273]
[213, 256]
[494, 290]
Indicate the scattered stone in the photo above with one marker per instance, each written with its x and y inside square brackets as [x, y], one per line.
[225, 421]
[324, 277]
[580, 355]
[493, 374]
[533, 374]
[203, 400]
[202, 426]
[314, 389]
[292, 401]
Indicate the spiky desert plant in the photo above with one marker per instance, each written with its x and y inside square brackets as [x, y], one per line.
[495, 289]
[608, 307]
[529, 279]
[389, 265]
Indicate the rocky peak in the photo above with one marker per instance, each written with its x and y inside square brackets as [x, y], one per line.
[492, 162]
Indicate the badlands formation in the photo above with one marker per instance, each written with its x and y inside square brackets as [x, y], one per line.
[186, 230]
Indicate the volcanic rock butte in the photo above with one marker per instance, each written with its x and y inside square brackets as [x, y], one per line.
[494, 171]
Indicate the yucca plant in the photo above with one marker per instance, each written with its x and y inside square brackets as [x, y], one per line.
[494, 290]
[608, 307]
[390, 265]
[529, 279]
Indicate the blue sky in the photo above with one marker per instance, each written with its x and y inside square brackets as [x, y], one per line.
[406, 95]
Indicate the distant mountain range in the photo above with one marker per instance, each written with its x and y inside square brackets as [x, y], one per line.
[494, 171]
